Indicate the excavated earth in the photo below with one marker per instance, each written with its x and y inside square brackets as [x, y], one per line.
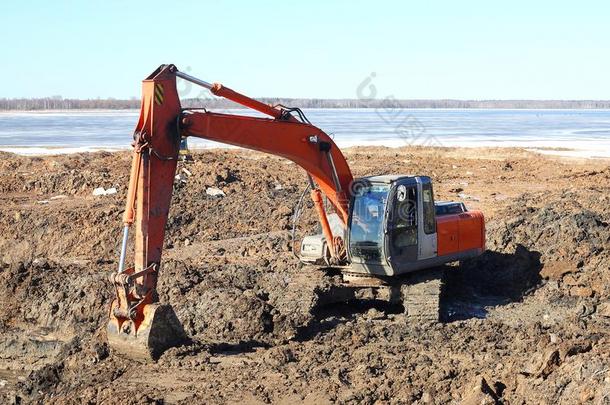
[527, 322]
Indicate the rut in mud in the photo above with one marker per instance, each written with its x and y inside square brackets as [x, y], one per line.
[528, 320]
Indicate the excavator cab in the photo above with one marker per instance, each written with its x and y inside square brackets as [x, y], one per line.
[395, 227]
[392, 227]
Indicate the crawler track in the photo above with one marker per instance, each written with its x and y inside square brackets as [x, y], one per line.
[421, 295]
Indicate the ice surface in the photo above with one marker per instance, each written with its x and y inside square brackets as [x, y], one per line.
[578, 133]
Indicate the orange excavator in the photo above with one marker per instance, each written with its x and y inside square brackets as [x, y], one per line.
[385, 233]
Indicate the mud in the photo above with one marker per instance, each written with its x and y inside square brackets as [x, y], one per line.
[527, 322]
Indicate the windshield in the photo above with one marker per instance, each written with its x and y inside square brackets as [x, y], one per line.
[366, 232]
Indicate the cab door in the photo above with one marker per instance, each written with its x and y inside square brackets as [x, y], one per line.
[402, 224]
[427, 237]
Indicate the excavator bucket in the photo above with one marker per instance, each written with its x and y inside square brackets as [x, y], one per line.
[145, 339]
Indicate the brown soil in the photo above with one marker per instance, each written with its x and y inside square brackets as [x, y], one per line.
[527, 322]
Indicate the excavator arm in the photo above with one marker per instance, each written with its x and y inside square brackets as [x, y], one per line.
[139, 327]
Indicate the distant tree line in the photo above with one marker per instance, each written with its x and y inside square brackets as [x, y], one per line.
[59, 103]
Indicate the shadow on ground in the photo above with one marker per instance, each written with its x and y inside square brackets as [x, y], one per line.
[491, 279]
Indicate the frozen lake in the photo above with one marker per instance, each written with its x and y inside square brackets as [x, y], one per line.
[584, 132]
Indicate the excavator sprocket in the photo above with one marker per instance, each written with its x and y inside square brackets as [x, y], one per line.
[159, 330]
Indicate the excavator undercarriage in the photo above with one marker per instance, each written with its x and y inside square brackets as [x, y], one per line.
[420, 293]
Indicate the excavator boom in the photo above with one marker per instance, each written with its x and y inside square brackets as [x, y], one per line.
[138, 326]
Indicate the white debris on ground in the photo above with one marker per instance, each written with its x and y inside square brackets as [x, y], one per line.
[59, 197]
[183, 175]
[99, 191]
[215, 192]
[468, 197]
[102, 191]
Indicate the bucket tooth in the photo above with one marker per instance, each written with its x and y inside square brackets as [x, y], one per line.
[159, 330]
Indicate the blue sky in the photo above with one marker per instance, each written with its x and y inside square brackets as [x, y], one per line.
[322, 49]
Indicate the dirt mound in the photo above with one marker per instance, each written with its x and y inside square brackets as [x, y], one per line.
[67, 299]
[238, 304]
[560, 241]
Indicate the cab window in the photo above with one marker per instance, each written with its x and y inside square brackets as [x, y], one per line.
[367, 230]
[429, 210]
